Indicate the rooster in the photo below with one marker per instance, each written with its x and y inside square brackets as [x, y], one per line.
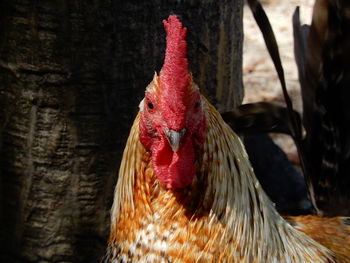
[186, 191]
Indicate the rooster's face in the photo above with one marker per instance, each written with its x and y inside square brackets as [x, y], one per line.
[172, 120]
[171, 126]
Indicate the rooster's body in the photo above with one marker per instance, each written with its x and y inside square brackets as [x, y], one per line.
[186, 191]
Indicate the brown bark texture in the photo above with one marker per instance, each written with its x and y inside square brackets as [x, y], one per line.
[71, 76]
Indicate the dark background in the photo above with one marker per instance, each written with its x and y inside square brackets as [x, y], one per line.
[71, 76]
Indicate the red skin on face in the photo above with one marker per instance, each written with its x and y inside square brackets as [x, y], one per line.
[173, 169]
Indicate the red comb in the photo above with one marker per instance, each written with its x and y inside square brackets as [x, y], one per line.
[174, 74]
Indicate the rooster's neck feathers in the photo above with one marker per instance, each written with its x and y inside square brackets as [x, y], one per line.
[241, 220]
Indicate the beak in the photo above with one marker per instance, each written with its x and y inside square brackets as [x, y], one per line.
[174, 138]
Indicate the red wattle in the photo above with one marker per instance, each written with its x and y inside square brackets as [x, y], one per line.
[174, 170]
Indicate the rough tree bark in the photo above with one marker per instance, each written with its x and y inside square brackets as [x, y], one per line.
[71, 76]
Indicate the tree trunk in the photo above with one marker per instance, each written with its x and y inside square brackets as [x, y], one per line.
[71, 76]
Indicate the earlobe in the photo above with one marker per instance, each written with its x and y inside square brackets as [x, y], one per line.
[145, 138]
[200, 134]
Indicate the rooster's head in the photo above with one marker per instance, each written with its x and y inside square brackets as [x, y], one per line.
[172, 120]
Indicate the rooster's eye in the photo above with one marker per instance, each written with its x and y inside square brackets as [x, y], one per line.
[196, 105]
[150, 105]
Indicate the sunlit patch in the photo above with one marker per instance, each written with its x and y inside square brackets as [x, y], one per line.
[142, 105]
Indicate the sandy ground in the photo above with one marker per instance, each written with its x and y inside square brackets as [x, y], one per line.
[259, 76]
